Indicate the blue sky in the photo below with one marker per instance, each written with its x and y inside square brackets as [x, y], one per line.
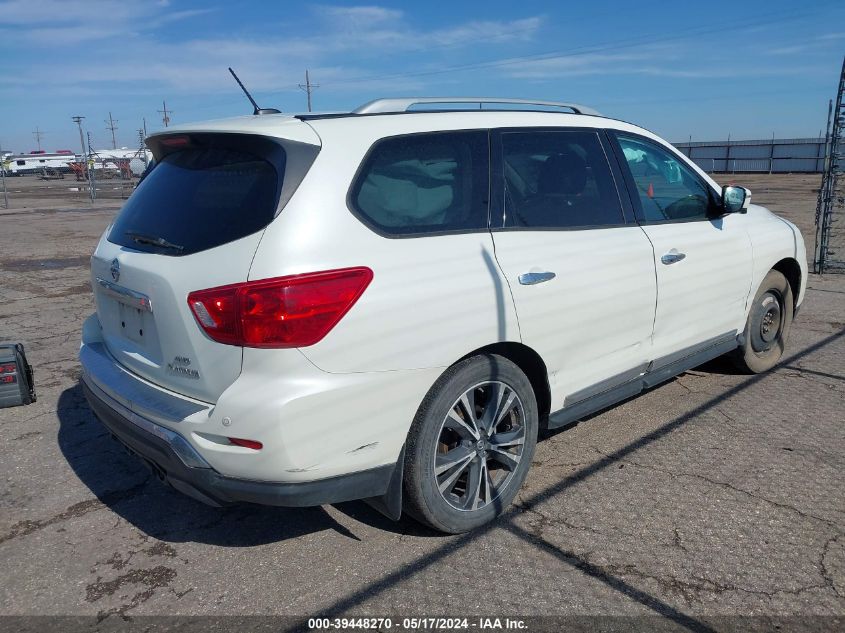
[678, 68]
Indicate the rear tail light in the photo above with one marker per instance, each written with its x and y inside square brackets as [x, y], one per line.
[293, 311]
[176, 141]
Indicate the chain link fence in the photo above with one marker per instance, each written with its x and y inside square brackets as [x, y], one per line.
[102, 178]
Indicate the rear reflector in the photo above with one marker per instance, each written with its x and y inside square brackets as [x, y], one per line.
[293, 311]
[256, 446]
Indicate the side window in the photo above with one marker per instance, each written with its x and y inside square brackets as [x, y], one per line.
[667, 188]
[425, 183]
[557, 179]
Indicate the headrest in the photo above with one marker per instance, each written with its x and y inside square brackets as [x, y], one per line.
[562, 173]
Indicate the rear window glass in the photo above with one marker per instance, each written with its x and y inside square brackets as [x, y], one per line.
[201, 197]
[424, 183]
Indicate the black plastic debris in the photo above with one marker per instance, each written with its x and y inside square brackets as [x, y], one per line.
[16, 381]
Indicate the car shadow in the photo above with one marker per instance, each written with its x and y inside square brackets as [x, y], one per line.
[122, 483]
[721, 365]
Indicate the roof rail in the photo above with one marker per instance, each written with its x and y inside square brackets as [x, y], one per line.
[404, 104]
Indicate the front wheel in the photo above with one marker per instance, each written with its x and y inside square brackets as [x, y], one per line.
[767, 327]
[471, 444]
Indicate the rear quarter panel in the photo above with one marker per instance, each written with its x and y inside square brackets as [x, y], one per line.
[432, 300]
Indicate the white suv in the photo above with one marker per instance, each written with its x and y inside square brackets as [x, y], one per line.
[388, 304]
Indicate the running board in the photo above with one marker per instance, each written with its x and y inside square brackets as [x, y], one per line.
[593, 399]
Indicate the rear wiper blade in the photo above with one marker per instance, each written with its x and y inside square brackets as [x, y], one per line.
[143, 238]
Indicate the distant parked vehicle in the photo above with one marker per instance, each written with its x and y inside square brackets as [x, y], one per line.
[389, 303]
[21, 164]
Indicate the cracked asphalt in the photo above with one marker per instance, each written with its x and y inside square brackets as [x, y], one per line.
[713, 495]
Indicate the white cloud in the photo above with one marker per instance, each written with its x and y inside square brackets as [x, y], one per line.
[649, 60]
[572, 65]
[357, 17]
[123, 52]
[821, 42]
[489, 31]
[76, 21]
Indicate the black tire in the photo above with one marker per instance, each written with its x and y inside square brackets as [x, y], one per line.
[495, 450]
[768, 325]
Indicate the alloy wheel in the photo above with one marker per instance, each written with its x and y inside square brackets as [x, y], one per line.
[480, 445]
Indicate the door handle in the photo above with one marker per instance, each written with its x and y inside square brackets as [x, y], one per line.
[529, 279]
[672, 257]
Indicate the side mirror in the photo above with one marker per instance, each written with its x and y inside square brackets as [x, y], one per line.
[735, 199]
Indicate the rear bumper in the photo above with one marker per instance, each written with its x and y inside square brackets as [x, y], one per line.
[155, 445]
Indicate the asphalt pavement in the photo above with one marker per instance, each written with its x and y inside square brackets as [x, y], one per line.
[713, 496]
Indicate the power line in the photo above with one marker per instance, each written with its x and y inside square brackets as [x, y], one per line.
[38, 134]
[617, 44]
[740, 24]
[308, 87]
[164, 112]
[110, 125]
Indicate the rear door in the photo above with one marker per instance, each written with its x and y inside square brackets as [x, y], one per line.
[194, 222]
[580, 270]
[703, 262]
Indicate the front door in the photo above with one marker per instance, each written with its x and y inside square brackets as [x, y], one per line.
[580, 272]
[703, 262]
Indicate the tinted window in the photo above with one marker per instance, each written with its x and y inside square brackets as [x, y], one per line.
[425, 183]
[557, 179]
[201, 197]
[667, 188]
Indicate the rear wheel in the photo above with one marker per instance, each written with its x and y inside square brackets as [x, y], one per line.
[471, 444]
[767, 327]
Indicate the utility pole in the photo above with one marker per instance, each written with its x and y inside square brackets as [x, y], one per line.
[110, 125]
[308, 87]
[772, 153]
[38, 134]
[728, 154]
[90, 164]
[84, 156]
[3, 176]
[165, 119]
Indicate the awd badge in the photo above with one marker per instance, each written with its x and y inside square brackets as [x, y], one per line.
[180, 366]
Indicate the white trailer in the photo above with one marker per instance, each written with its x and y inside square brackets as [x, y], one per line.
[19, 164]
